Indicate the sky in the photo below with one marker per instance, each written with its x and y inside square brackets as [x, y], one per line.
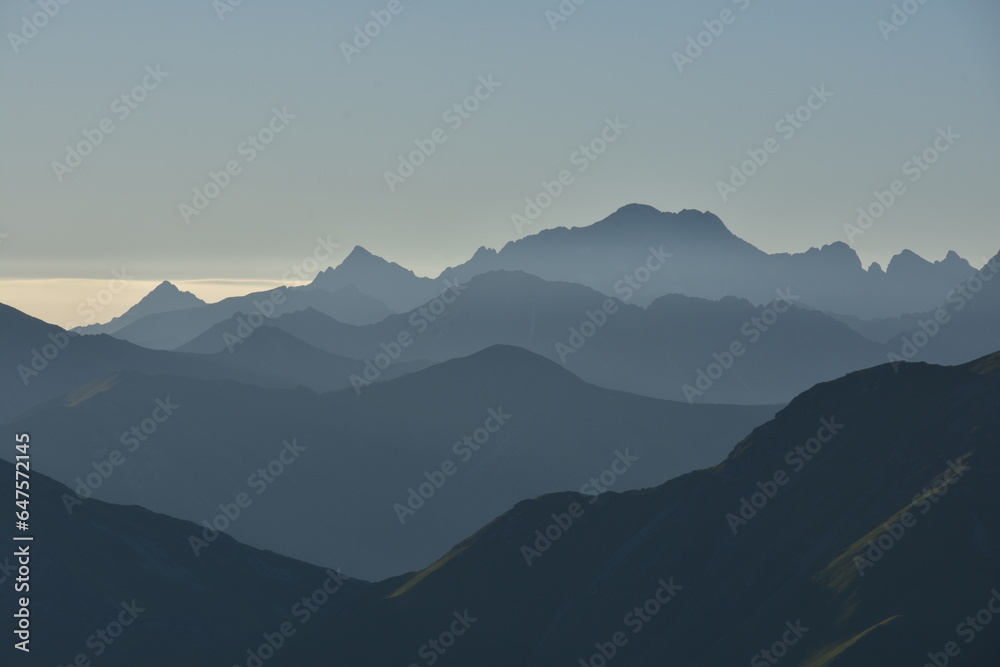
[309, 128]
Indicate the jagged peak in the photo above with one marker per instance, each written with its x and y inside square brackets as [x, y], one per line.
[483, 252]
[169, 290]
[360, 253]
[165, 286]
[906, 259]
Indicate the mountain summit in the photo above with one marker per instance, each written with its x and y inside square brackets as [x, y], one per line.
[390, 283]
[164, 298]
[707, 260]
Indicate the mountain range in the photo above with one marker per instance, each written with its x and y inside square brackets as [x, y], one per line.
[370, 495]
[665, 350]
[789, 546]
[858, 527]
[703, 259]
[635, 442]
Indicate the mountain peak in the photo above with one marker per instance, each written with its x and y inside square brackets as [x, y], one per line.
[956, 261]
[907, 260]
[167, 289]
[165, 286]
[687, 220]
[361, 254]
[637, 209]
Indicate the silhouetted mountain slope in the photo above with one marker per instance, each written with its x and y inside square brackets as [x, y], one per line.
[676, 342]
[386, 480]
[708, 261]
[39, 361]
[165, 297]
[870, 551]
[272, 357]
[167, 331]
[105, 564]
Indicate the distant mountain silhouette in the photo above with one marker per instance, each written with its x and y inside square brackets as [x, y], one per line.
[398, 288]
[276, 358]
[965, 326]
[708, 261]
[512, 424]
[167, 331]
[39, 361]
[655, 351]
[165, 297]
[870, 553]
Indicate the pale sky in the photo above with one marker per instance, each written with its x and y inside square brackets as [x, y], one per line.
[323, 175]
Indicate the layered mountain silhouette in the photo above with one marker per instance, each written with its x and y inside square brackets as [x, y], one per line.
[840, 560]
[874, 550]
[40, 361]
[666, 350]
[638, 442]
[705, 260]
[965, 326]
[169, 330]
[367, 492]
[709, 261]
